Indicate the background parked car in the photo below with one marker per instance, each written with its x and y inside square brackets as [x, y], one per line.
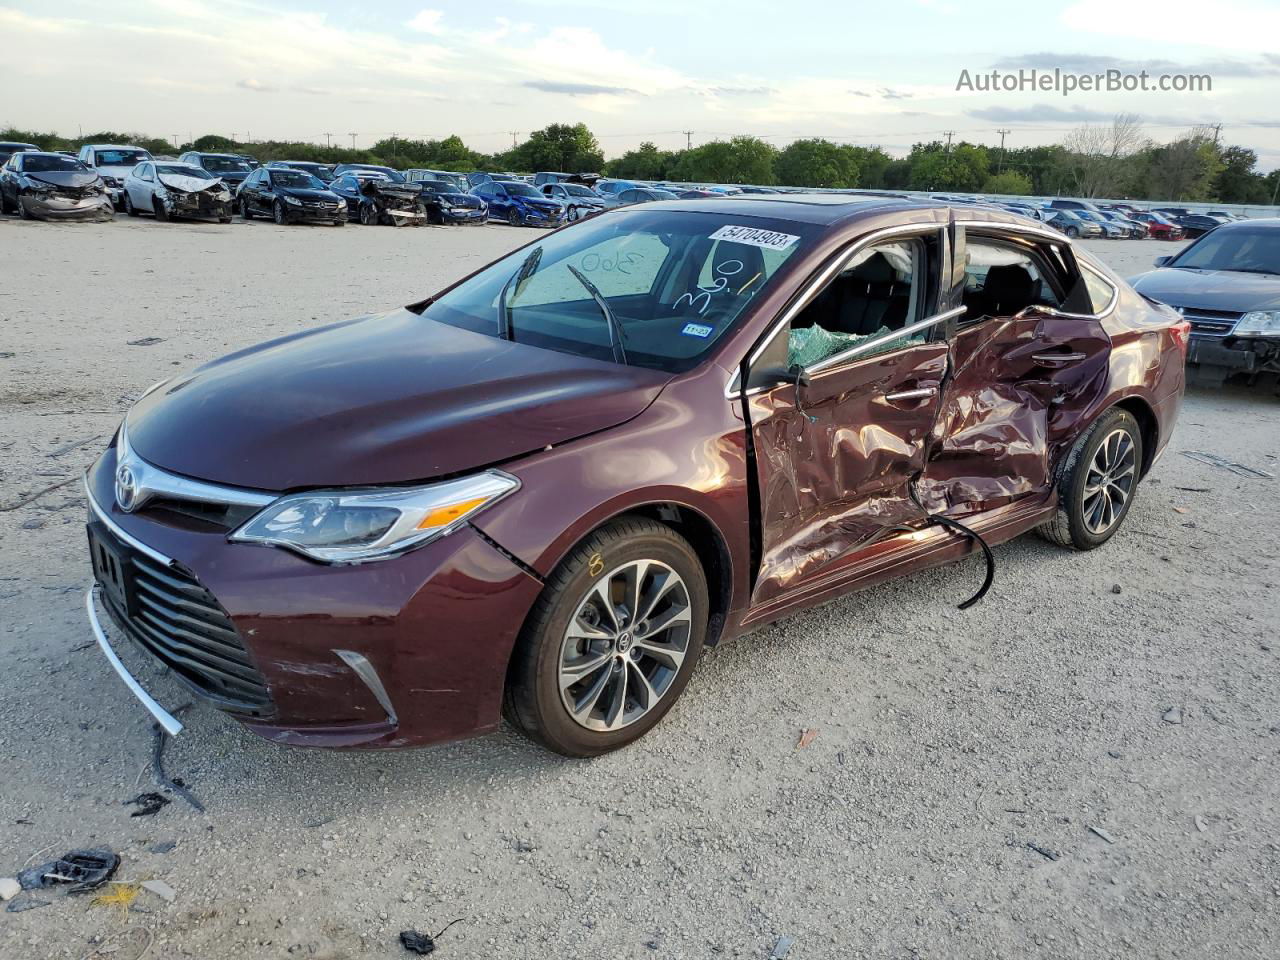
[1072, 205]
[417, 174]
[167, 190]
[479, 177]
[232, 168]
[374, 198]
[1197, 224]
[52, 186]
[1158, 226]
[390, 173]
[626, 198]
[9, 147]
[321, 171]
[520, 204]
[290, 196]
[446, 203]
[611, 188]
[1134, 229]
[580, 201]
[1072, 224]
[113, 163]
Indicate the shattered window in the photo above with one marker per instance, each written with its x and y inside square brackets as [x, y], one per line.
[1002, 280]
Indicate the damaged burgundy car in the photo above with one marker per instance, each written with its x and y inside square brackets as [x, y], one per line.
[546, 489]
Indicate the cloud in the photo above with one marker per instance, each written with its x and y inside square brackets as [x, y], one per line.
[1267, 65]
[576, 89]
[257, 86]
[426, 21]
[888, 94]
[741, 91]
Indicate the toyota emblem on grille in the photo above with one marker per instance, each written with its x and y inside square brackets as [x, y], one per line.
[126, 488]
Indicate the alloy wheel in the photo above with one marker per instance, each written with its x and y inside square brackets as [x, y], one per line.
[1109, 481]
[624, 645]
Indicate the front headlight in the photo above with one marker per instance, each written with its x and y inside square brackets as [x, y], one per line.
[342, 204]
[358, 526]
[1259, 323]
[294, 200]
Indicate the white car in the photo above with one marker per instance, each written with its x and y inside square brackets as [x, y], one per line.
[172, 189]
[113, 162]
[581, 201]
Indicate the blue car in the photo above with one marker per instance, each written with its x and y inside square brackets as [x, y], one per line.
[519, 204]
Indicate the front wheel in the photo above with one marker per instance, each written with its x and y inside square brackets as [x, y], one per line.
[1072, 232]
[1097, 483]
[514, 218]
[129, 208]
[23, 212]
[574, 213]
[245, 212]
[611, 642]
[158, 209]
[368, 216]
[278, 214]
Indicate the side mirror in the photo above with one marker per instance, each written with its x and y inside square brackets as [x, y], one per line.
[1162, 261]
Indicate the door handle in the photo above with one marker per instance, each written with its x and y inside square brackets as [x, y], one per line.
[919, 393]
[1057, 359]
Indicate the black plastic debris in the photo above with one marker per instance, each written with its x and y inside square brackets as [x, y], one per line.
[25, 902]
[84, 870]
[416, 942]
[146, 342]
[148, 804]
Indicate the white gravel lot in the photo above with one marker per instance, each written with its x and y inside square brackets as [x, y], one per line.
[947, 742]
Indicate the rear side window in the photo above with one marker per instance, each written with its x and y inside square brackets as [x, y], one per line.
[1101, 292]
[1001, 280]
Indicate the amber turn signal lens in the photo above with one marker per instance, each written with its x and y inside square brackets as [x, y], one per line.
[443, 516]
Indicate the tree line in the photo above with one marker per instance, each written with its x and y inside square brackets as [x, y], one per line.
[1115, 160]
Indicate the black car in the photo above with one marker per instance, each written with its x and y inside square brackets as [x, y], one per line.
[231, 167]
[445, 203]
[289, 196]
[1196, 224]
[390, 173]
[1227, 284]
[373, 199]
[321, 171]
[9, 147]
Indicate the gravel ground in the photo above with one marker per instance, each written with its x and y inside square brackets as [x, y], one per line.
[943, 809]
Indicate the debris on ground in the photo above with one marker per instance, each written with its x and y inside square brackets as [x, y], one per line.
[807, 736]
[1044, 851]
[157, 763]
[84, 870]
[118, 894]
[417, 942]
[1098, 831]
[160, 889]
[1239, 469]
[9, 888]
[1194, 489]
[146, 342]
[1200, 823]
[782, 948]
[148, 804]
[1172, 715]
[1179, 509]
[26, 902]
[1115, 588]
[164, 846]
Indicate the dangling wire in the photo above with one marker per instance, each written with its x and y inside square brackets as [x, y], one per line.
[799, 394]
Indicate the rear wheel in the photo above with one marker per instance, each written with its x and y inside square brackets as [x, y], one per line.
[612, 641]
[5, 205]
[1097, 483]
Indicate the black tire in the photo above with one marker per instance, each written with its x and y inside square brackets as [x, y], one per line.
[129, 208]
[245, 212]
[23, 212]
[368, 215]
[574, 214]
[158, 209]
[1072, 232]
[1070, 526]
[514, 218]
[532, 700]
[278, 214]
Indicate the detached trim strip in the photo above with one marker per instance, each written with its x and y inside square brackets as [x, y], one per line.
[167, 721]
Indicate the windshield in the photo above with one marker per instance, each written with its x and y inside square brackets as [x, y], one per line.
[675, 281]
[51, 163]
[119, 158]
[183, 170]
[226, 165]
[1255, 250]
[386, 172]
[517, 189]
[295, 178]
[574, 190]
[661, 195]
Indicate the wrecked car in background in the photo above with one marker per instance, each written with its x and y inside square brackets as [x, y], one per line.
[167, 190]
[546, 488]
[113, 162]
[1227, 285]
[372, 198]
[446, 203]
[53, 186]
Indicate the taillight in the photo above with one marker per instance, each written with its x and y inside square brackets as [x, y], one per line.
[1181, 333]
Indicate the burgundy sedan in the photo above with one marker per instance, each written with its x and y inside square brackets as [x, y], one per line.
[546, 489]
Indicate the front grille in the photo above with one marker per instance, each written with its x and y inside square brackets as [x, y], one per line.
[180, 622]
[1210, 323]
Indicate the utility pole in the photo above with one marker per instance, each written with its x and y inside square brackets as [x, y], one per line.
[514, 134]
[1217, 132]
[688, 139]
[327, 142]
[948, 134]
[353, 140]
[175, 140]
[1003, 134]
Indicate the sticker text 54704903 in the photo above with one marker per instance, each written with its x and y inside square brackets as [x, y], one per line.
[755, 237]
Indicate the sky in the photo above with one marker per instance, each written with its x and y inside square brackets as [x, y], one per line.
[857, 72]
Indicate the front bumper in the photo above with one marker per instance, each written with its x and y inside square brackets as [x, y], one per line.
[403, 652]
[464, 215]
[1236, 354]
[54, 207]
[308, 213]
[196, 205]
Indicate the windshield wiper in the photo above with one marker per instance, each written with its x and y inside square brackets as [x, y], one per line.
[615, 329]
[524, 272]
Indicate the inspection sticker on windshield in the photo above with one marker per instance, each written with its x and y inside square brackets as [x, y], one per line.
[697, 330]
[754, 237]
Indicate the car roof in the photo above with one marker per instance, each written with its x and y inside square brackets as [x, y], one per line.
[1269, 223]
[816, 208]
[229, 156]
[46, 153]
[18, 143]
[114, 146]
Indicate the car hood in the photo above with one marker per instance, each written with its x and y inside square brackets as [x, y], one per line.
[184, 184]
[1211, 289]
[307, 193]
[64, 178]
[393, 398]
